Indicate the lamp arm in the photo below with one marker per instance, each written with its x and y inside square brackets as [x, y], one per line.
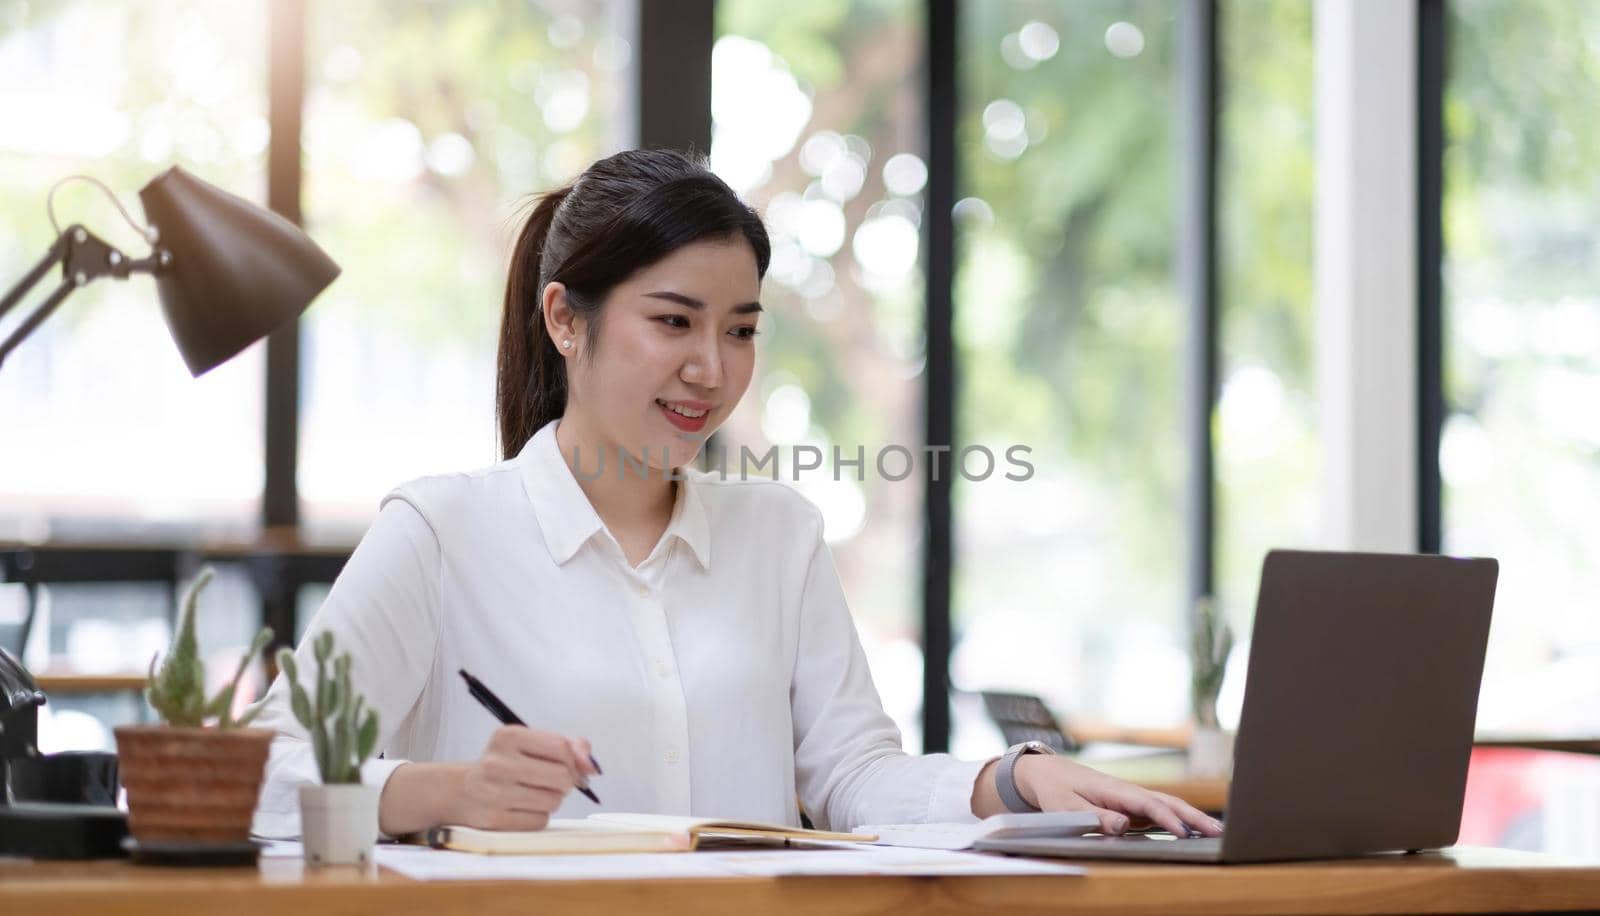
[84, 257]
[44, 311]
[15, 294]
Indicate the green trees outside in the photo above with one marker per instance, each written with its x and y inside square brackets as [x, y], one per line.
[1265, 424]
[428, 129]
[1069, 328]
[1068, 319]
[818, 122]
[1068, 323]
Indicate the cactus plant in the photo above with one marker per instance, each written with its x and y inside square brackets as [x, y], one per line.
[341, 737]
[1212, 643]
[177, 691]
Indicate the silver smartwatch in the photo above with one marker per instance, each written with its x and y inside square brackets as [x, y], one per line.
[1005, 779]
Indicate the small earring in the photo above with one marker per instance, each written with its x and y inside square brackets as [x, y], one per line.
[566, 345]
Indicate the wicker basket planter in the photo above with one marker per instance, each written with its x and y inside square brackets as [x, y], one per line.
[191, 785]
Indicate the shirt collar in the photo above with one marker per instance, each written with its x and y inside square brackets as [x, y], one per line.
[567, 518]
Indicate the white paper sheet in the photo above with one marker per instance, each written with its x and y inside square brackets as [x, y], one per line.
[964, 835]
[444, 865]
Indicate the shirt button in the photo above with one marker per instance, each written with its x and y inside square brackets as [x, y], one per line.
[672, 755]
[642, 589]
[663, 669]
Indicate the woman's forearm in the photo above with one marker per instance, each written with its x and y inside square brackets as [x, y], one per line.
[420, 795]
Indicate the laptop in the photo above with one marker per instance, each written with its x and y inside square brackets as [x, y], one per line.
[1358, 714]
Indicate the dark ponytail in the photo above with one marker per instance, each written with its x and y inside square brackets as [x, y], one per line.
[531, 379]
[624, 213]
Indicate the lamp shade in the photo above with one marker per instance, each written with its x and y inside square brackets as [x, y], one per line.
[237, 271]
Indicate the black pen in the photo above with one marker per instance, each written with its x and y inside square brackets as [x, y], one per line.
[503, 712]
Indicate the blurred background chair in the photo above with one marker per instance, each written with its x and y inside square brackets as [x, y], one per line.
[1024, 717]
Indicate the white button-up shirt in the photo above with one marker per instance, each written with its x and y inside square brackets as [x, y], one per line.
[721, 677]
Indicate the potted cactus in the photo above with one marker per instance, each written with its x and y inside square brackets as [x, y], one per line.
[339, 817]
[190, 786]
[1210, 747]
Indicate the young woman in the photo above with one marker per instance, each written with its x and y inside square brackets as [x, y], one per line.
[686, 631]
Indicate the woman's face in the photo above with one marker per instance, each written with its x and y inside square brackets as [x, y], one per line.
[675, 353]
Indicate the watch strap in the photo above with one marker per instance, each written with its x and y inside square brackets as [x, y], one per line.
[1005, 778]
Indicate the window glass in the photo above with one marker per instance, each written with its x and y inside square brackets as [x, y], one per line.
[1268, 455]
[1069, 584]
[1522, 348]
[427, 127]
[818, 122]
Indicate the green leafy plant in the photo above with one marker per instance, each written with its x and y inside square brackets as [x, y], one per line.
[341, 736]
[1212, 644]
[177, 691]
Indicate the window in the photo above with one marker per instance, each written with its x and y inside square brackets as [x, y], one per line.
[1522, 348]
[427, 128]
[818, 122]
[1068, 327]
[1265, 426]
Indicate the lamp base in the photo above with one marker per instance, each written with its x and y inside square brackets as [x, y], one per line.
[52, 830]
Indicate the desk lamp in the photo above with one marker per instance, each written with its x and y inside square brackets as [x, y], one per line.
[228, 273]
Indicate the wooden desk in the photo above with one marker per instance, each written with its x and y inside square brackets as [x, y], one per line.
[65, 684]
[1209, 795]
[1569, 745]
[1168, 773]
[1176, 738]
[1457, 881]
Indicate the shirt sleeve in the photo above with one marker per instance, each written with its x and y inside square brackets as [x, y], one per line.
[849, 764]
[383, 610]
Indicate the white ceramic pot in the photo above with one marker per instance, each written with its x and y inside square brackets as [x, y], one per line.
[1210, 753]
[339, 823]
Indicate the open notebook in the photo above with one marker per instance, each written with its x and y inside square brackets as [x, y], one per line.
[620, 832]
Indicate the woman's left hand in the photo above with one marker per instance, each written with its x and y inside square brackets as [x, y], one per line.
[1053, 783]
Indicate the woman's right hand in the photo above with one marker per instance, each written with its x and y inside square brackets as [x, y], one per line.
[521, 778]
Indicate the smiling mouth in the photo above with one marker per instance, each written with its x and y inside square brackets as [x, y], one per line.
[682, 411]
[686, 419]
